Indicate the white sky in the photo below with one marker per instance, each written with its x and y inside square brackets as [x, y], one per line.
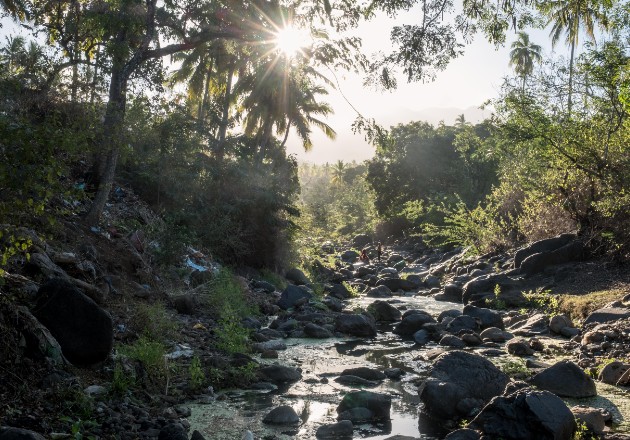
[466, 84]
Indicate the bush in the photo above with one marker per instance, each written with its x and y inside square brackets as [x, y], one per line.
[153, 322]
[224, 295]
[151, 355]
[232, 337]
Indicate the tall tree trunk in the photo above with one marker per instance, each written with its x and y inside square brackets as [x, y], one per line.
[201, 111]
[112, 131]
[225, 117]
[264, 141]
[570, 103]
[286, 134]
[75, 82]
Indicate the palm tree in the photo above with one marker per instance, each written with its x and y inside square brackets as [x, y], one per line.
[460, 121]
[338, 172]
[569, 17]
[523, 55]
[16, 9]
[13, 52]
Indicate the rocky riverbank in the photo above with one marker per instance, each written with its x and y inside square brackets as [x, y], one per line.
[420, 343]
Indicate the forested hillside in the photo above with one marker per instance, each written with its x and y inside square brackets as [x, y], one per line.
[165, 265]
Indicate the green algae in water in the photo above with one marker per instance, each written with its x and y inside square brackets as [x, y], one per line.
[614, 400]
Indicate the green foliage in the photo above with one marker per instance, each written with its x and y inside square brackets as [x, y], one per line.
[515, 368]
[496, 302]
[271, 277]
[121, 381]
[544, 301]
[196, 376]
[582, 432]
[153, 322]
[231, 336]
[354, 292]
[151, 354]
[224, 296]
[232, 376]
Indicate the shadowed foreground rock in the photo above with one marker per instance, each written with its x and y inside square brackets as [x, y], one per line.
[83, 329]
[459, 383]
[524, 415]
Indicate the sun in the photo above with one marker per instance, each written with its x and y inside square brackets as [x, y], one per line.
[291, 40]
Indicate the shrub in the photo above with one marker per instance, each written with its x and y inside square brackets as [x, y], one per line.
[232, 337]
[151, 355]
[197, 377]
[153, 322]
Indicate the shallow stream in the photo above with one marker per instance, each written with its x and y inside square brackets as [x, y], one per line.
[316, 397]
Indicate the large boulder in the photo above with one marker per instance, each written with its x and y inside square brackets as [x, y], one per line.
[412, 323]
[335, 431]
[292, 295]
[609, 314]
[537, 324]
[486, 317]
[9, 433]
[383, 311]
[83, 329]
[356, 325]
[395, 284]
[296, 276]
[362, 406]
[316, 331]
[364, 373]
[361, 240]
[379, 292]
[280, 374]
[453, 387]
[565, 379]
[487, 284]
[547, 245]
[282, 415]
[539, 262]
[524, 415]
[463, 322]
[340, 291]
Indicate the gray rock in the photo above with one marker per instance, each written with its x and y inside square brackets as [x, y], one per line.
[519, 348]
[537, 324]
[594, 418]
[173, 431]
[487, 284]
[605, 315]
[83, 329]
[565, 379]
[558, 322]
[356, 325]
[393, 373]
[379, 292]
[538, 262]
[486, 317]
[315, 331]
[361, 240]
[547, 245]
[338, 431]
[463, 322]
[494, 334]
[453, 292]
[340, 291]
[274, 344]
[364, 372]
[456, 376]
[412, 323]
[421, 337]
[452, 341]
[377, 405]
[383, 311]
[186, 304]
[281, 374]
[264, 286]
[292, 295]
[297, 276]
[463, 434]
[282, 415]
[349, 255]
[471, 339]
[357, 381]
[524, 415]
[612, 372]
[333, 304]
[451, 313]
[395, 284]
[9, 433]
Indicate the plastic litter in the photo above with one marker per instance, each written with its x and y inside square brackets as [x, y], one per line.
[181, 351]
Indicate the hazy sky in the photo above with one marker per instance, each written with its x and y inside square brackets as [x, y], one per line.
[467, 83]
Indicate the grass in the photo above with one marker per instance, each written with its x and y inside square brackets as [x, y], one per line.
[515, 369]
[271, 277]
[152, 322]
[579, 307]
[224, 295]
[151, 355]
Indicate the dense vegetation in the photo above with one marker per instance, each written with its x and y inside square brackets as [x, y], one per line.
[92, 98]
